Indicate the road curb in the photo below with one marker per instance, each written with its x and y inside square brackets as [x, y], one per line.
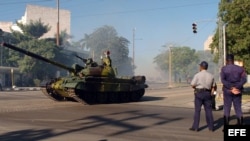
[23, 89]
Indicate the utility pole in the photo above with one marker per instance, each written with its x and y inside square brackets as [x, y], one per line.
[57, 35]
[224, 44]
[133, 48]
[220, 41]
[1, 35]
[169, 67]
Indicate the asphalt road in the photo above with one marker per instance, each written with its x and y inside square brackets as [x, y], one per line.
[162, 115]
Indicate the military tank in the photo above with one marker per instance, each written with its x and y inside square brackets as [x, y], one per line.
[90, 84]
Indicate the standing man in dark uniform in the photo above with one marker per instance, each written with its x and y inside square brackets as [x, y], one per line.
[203, 83]
[233, 78]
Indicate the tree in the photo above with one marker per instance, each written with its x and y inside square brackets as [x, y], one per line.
[235, 15]
[106, 38]
[5, 52]
[212, 66]
[83, 43]
[29, 39]
[184, 61]
[35, 29]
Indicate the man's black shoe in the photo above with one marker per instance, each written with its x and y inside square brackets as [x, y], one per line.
[192, 129]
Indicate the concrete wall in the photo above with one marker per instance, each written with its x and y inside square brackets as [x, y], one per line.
[48, 16]
[5, 26]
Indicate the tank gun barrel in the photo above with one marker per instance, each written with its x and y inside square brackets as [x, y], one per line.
[84, 60]
[37, 57]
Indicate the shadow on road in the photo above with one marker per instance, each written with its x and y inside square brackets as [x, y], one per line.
[151, 98]
[128, 123]
[27, 135]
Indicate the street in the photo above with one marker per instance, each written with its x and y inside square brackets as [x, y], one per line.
[162, 114]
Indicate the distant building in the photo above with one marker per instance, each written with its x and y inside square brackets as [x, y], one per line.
[208, 42]
[6, 26]
[47, 15]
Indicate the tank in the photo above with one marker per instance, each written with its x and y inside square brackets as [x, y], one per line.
[90, 84]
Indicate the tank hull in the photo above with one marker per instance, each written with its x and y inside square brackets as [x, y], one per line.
[91, 84]
[96, 90]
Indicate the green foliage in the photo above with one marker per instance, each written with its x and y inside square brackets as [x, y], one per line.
[29, 39]
[106, 38]
[38, 68]
[35, 29]
[212, 66]
[37, 82]
[64, 38]
[184, 61]
[235, 14]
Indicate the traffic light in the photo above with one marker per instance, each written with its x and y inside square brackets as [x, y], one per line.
[194, 27]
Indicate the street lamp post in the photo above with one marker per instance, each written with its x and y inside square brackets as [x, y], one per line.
[224, 43]
[170, 68]
[133, 48]
[133, 57]
[12, 77]
[1, 35]
[57, 26]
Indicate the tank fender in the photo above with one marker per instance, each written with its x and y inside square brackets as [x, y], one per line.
[70, 85]
[139, 79]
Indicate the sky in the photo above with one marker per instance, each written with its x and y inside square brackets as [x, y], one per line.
[156, 23]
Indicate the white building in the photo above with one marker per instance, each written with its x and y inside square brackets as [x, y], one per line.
[6, 26]
[47, 15]
[208, 42]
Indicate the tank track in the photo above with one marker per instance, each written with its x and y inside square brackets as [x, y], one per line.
[52, 95]
[71, 93]
[93, 97]
[85, 97]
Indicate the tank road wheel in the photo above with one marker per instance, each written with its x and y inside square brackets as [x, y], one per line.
[124, 97]
[113, 97]
[50, 93]
[141, 92]
[102, 97]
[72, 94]
[136, 96]
[90, 97]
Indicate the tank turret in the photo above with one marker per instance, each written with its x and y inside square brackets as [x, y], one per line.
[90, 84]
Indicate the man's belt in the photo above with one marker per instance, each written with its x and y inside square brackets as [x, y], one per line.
[202, 90]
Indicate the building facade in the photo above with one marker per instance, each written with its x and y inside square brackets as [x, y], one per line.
[208, 42]
[6, 26]
[48, 16]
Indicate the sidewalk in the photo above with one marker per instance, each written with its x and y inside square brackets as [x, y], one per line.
[245, 103]
[219, 96]
[22, 89]
[219, 104]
